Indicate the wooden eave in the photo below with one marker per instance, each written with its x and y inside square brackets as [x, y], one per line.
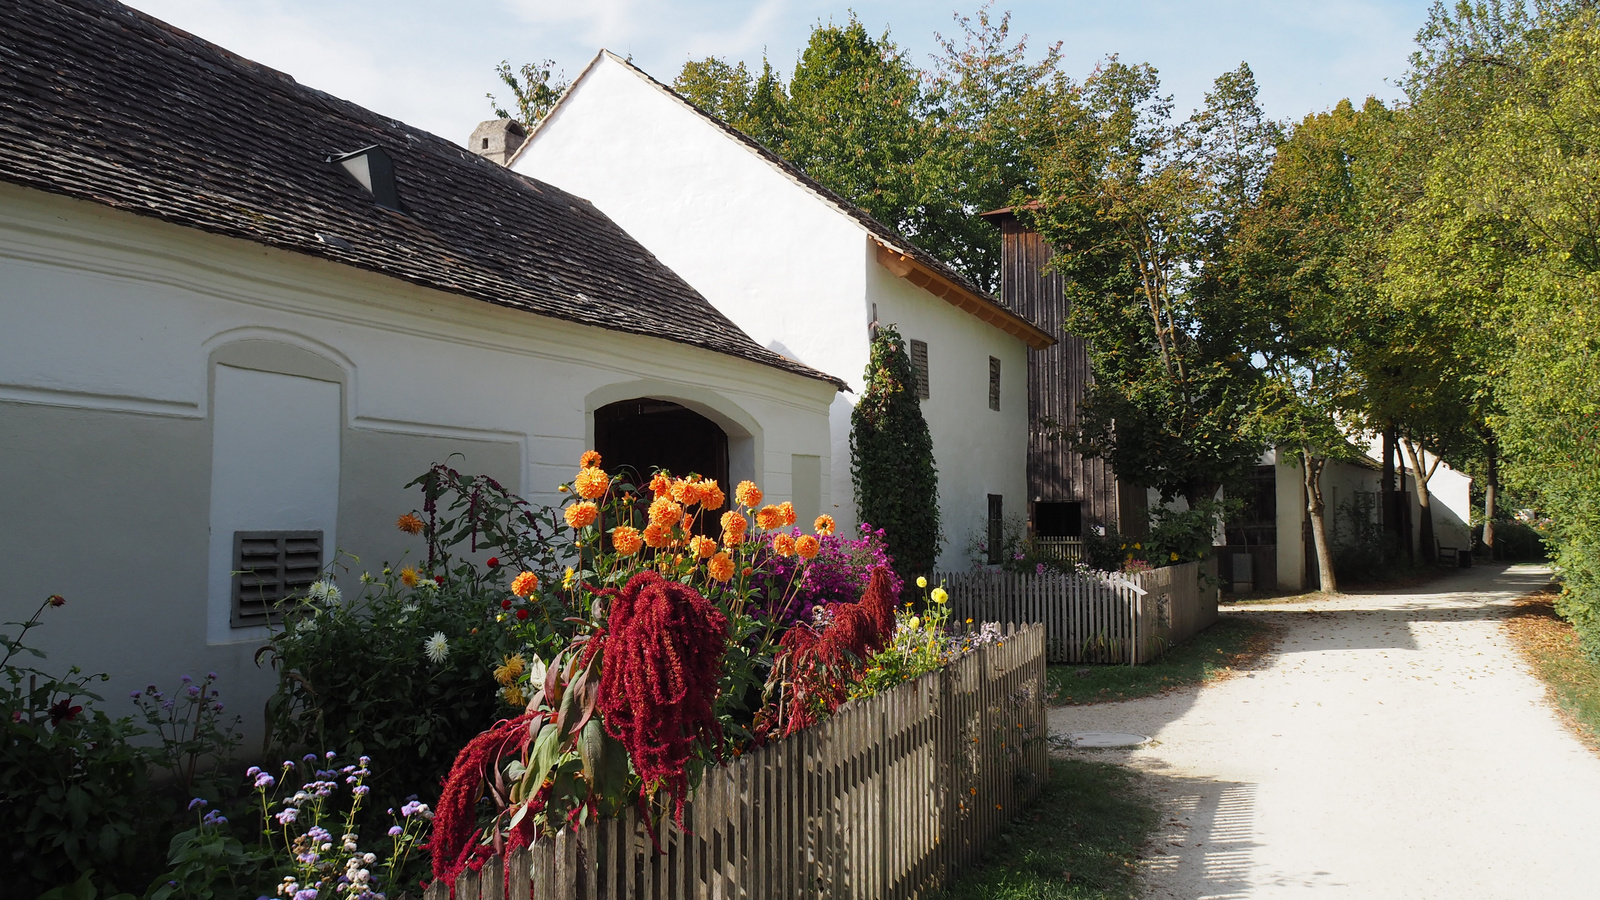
[933, 282]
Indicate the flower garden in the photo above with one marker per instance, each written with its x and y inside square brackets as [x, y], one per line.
[534, 670]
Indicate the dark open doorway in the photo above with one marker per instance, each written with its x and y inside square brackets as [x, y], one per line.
[648, 434]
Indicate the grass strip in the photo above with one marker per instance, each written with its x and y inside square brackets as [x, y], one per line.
[1079, 840]
[1550, 646]
[1236, 641]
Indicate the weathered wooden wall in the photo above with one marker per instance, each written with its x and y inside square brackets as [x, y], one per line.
[1057, 380]
[887, 799]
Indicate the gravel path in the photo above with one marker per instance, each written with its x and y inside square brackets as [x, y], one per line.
[1393, 746]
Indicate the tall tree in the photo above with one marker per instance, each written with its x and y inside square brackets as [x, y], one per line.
[1136, 207]
[757, 106]
[891, 458]
[534, 91]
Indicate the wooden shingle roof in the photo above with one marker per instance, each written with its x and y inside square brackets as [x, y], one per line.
[104, 103]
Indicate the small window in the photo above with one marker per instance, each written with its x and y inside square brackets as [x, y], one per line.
[485, 143]
[997, 528]
[919, 365]
[270, 567]
[994, 383]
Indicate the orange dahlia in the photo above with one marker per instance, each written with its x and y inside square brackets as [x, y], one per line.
[657, 535]
[665, 512]
[720, 567]
[409, 523]
[589, 460]
[582, 514]
[747, 494]
[823, 525]
[702, 547]
[808, 546]
[783, 545]
[711, 496]
[625, 539]
[525, 584]
[786, 509]
[733, 528]
[769, 517]
[410, 577]
[660, 484]
[591, 483]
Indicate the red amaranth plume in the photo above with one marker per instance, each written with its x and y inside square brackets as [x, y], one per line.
[455, 819]
[814, 669]
[664, 645]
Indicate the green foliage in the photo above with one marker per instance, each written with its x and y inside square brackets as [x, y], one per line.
[534, 91]
[757, 106]
[207, 862]
[891, 458]
[194, 732]
[74, 788]
[1138, 208]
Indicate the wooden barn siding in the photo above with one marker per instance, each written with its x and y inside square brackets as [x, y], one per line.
[1057, 379]
[889, 798]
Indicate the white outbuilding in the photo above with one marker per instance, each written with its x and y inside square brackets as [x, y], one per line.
[231, 305]
[805, 273]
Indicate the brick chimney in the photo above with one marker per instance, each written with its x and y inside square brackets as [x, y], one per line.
[497, 139]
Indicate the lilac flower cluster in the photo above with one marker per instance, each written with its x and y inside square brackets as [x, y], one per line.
[839, 574]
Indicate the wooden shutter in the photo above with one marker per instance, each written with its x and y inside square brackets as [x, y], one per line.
[994, 383]
[919, 364]
[997, 528]
[269, 567]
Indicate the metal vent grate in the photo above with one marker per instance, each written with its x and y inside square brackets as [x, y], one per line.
[269, 567]
[919, 365]
[994, 383]
[997, 529]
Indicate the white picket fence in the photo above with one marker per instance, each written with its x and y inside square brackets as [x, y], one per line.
[1094, 617]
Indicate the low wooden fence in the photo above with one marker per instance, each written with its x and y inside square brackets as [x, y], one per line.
[1094, 617]
[886, 799]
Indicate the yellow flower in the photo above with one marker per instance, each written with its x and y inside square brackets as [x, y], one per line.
[625, 540]
[589, 460]
[720, 567]
[591, 483]
[409, 523]
[747, 494]
[922, 581]
[510, 668]
[409, 577]
[823, 525]
[512, 693]
[939, 595]
[582, 514]
[567, 579]
[524, 584]
[915, 623]
[1174, 557]
[1136, 546]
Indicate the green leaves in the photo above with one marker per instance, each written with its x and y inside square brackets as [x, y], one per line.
[891, 458]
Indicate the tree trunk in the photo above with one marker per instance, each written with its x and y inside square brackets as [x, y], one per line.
[1422, 473]
[1491, 487]
[1388, 498]
[1311, 467]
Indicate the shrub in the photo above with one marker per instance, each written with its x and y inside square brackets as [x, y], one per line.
[891, 458]
[74, 787]
[840, 573]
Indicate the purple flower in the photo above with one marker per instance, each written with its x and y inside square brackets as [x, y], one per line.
[187, 679]
[330, 754]
[264, 781]
[197, 802]
[216, 707]
[214, 818]
[310, 757]
[395, 830]
[365, 761]
[839, 574]
[252, 772]
[166, 704]
[211, 676]
[194, 690]
[287, 816]
[306, 894]
[360, 790]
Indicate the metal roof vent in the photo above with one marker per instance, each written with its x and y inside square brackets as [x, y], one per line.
[372, 167]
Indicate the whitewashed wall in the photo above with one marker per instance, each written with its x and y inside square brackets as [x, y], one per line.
[793, 271]
[111, 330]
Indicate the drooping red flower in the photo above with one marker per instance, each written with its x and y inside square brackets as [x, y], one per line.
[455, 820]
[815, 668]
[663, 651]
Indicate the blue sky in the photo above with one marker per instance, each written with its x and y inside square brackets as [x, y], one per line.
[430, 63]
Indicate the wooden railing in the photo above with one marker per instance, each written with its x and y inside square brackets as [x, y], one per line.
[886, 799]
[1094, 617]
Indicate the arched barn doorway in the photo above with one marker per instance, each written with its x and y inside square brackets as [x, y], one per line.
[648, 434]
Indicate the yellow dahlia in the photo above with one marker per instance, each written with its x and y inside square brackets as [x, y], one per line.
[510, 668]
[410, 577]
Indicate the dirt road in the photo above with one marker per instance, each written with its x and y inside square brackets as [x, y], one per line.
[1394, 746]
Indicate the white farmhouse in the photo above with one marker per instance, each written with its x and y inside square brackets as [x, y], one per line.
[805, 273]
[232, 305]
